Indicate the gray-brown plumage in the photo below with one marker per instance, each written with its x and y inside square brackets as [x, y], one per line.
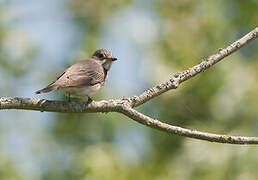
[85, 77]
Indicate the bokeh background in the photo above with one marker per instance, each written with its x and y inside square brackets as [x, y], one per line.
[152, 40]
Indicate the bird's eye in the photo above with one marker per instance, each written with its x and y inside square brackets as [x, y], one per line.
[101, 55]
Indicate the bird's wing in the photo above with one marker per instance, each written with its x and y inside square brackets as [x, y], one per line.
[84, 73]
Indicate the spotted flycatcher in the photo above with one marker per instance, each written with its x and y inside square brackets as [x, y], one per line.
[85, 77]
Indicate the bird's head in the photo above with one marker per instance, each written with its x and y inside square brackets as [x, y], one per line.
[104, 57]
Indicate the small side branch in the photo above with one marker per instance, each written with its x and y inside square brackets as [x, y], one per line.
[156, 124]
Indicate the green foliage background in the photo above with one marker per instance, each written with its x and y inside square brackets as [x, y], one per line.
[110, 146]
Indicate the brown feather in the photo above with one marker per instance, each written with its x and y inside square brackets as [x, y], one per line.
[85, 73]
[49, 88]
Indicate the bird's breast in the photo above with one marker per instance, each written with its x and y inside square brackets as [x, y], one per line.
[83, 91]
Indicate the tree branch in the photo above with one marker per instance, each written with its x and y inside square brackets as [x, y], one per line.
[206, 63]
[156, 124]
[126, 105]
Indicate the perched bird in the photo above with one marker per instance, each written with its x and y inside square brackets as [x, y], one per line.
[85, 77]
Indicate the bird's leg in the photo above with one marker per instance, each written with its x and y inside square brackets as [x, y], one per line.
[89, 100]
[69, 97]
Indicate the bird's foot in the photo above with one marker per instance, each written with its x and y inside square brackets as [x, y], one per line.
[89, 100]
[69, 97]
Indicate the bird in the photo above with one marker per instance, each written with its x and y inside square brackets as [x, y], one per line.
[83, 78]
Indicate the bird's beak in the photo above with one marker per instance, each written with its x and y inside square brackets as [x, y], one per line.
[113, 59]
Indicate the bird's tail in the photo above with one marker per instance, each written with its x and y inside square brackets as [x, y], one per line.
[49, 88]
